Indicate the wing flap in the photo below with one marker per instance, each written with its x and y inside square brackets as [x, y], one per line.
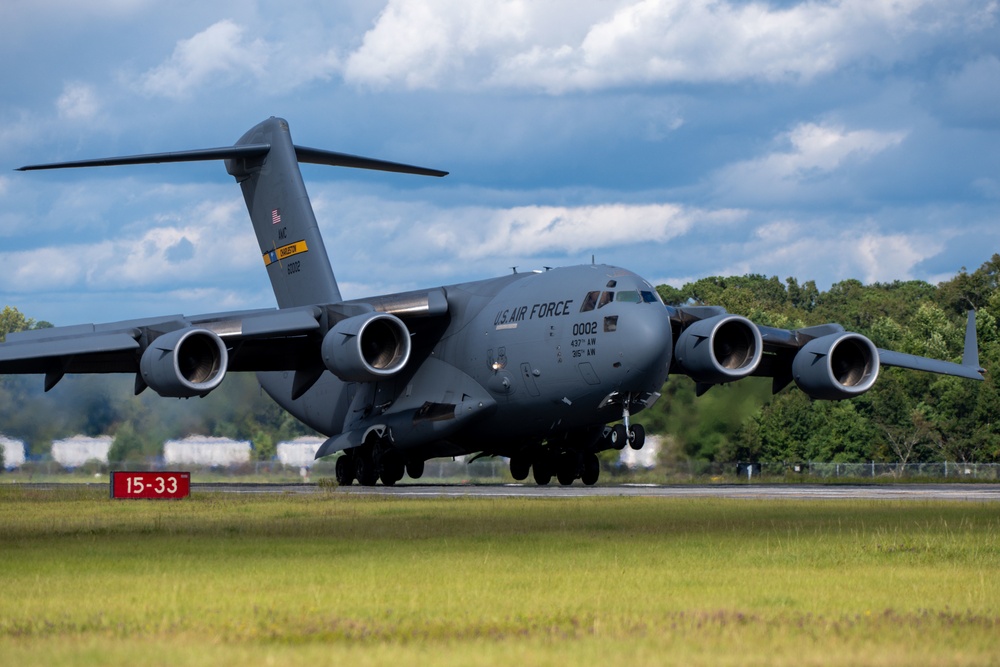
[282, 322]
[43, 356]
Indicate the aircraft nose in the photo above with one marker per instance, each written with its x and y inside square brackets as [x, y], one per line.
[646, 344]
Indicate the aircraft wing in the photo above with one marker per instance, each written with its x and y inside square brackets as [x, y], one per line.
[189, 355]
[826, 361]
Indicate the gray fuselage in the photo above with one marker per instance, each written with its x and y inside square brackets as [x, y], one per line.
[529, 355]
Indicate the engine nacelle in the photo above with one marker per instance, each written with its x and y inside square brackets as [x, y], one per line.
[366, 347]
[719, 349]
[184, 363]
[841, 365]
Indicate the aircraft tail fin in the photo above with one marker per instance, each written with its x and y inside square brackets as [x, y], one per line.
[290, 242]
[265, 163]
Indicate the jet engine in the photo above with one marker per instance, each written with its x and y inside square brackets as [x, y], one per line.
[837, 366]
[184, 363]
[719, 349]
[366, 347]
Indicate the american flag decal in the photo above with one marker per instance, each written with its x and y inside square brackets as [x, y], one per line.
[276, 217]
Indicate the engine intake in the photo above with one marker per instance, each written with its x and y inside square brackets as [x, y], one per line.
[365, 348]
[719, 349]
[184, 363]
[838, 366]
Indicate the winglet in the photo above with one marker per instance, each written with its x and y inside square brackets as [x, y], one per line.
[970, 356]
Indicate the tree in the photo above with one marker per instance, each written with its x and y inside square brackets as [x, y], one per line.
[900, 422]
[127, 445]
[13, 320]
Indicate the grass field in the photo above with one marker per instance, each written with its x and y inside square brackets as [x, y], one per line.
[331, 579]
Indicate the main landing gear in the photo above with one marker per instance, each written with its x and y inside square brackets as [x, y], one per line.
[571, 459]
[566, 466]
[375, 460]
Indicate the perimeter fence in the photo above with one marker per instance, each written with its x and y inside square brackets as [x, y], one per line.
[495, 470]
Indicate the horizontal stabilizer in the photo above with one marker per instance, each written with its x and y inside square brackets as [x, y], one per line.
[334, 159]
[303, 154]
[203, 154]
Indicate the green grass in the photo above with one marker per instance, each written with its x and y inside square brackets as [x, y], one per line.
[336, 579]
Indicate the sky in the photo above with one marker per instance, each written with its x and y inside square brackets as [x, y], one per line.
[823, 140]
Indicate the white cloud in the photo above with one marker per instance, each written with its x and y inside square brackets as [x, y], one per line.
[594, 45]
[422, 43]
[531, 231]
[78, 101]
[810, 152]
[220, 53]
[212, 239]
[819, 248]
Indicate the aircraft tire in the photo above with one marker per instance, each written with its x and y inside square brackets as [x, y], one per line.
[519, 468]
[542, 473]
[566, 469]
[637, 438]
[391, 468]
[415, 468]
[618, 436]
[591, 469]
[364, 469]
[344, 470]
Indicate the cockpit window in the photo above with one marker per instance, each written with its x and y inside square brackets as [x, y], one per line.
[650, 297]
[601, 299]
[629, 296]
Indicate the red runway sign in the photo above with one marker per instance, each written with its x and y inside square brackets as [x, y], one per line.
[155, 485]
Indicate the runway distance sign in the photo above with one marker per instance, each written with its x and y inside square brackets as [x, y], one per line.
[151, 485]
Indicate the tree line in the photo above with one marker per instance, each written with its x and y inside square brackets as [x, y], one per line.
[908, 417]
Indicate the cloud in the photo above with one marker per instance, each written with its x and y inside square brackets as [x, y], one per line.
[596, 45]
[811, 152]
[218, 54]
[532, 231]
[860, 251]
[210, 240]
[422, 43]
[78, 101]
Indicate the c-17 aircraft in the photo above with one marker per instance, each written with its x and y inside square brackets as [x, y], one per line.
[533, 366]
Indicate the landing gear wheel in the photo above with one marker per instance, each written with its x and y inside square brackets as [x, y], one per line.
[542, 472]
[364, 469]
[618, 436]
[391, 468]
[344, 470]
[519, 468]
[637, 438]
[591, 469]
[566, 469]
[415, 468]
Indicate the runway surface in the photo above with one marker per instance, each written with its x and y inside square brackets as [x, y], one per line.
[896, 492]
[912, 492]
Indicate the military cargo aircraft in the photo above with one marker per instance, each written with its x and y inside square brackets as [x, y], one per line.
[545, 368]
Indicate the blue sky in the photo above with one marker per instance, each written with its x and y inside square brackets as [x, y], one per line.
[821, 140]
